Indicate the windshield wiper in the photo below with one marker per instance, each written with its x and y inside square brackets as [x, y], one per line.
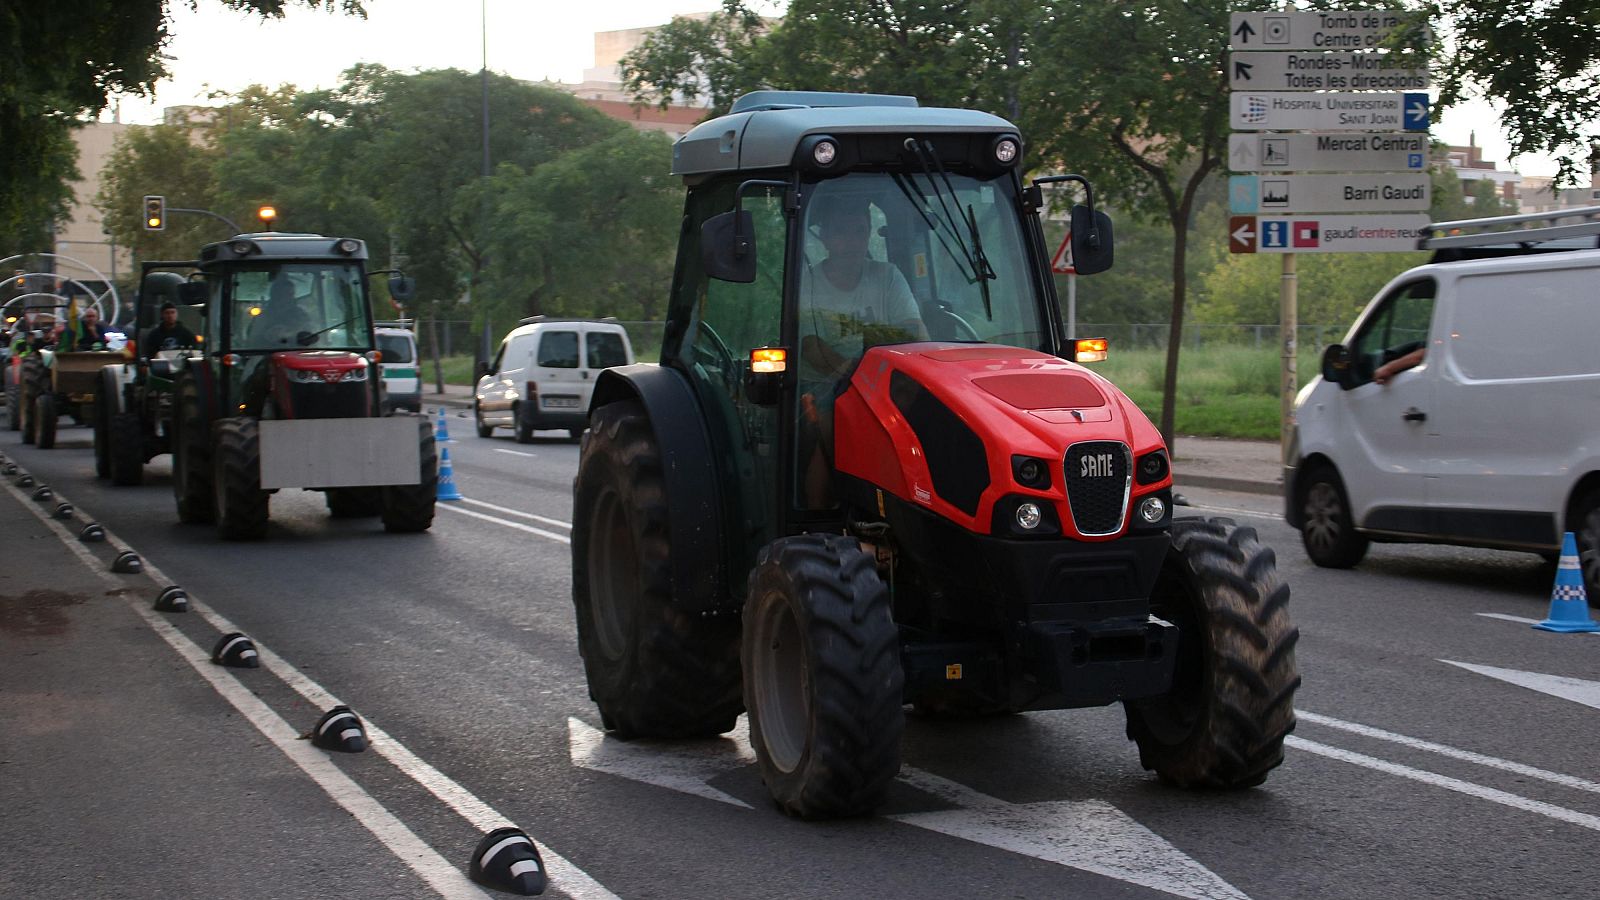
[307, 338]
[982, 271]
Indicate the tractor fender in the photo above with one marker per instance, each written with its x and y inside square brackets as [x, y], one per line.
[694, 500]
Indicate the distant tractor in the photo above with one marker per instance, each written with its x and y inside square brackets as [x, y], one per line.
[275, 385]
[869, 471]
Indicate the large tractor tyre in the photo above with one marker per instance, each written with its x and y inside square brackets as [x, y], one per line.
[241, 504]
[654, 670]
[1327, 529]
[44, 413]
[822, 676]
[354, 502]
[14, 407]
[408, 508]
[477, 419]
[194, 488]
[1585, 525]
[35, 381]
[104, 405]
[125, 449]
[523, 426]
[1231, 705]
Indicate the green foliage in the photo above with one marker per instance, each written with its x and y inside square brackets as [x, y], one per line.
[159, 159]
[1226, 391]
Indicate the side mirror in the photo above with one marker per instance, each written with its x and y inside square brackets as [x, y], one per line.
[1336, 365]
[193, 293]
[1091, 241]
[483, 369]
[402, 288]
[728, 247]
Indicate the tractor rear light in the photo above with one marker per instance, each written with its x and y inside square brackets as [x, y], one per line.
[1152, 467]
[769, 360]
[1152, 510]
[1031, 472]
[1089, 350]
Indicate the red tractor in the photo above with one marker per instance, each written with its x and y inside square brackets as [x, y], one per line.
[869, 472]
[279, 388]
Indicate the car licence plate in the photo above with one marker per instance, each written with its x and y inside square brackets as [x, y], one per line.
[561, 402]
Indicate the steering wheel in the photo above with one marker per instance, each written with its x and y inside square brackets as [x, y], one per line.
[944, 324]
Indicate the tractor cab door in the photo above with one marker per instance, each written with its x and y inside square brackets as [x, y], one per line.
[722, 322]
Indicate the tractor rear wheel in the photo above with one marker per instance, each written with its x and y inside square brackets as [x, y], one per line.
[125, 449]
[654, 669]
[35, 381]
[354, 502]
[14, 407]
[193, 485]
[104, 402]
[241, 504]
[408, 508]
[1223, 723]
[822, 676]
[44, 413]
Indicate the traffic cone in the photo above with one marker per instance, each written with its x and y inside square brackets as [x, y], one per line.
[442, 433]
[447, 478]
[1569, 602]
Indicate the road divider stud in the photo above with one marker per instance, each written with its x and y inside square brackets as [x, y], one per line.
[172, 599]
[63, 511]
[1569, 602]
[24, 480]
[43, 493]
[507, 860]
[127, 563]
[447, 489]
[92, 533]
[236, 650]
[340, 729]
[10, 469]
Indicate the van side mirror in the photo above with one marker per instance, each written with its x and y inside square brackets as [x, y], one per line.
[1336, 365]
[402, 288]
[728, 247]
[1091, 240]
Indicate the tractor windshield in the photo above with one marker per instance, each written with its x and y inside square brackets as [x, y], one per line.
[893, 257]
[293, 306]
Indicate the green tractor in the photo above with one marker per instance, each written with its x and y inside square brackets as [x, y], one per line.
[276, 387]
[870, 472]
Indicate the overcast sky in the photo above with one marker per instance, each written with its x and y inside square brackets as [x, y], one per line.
[217, 49]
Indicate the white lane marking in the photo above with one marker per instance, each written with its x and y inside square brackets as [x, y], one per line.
[1577, 690]
[1452, 752]
[1090, 835]
[676, 765]
[514, 452]
[1539, 807]
[560, 538]
[570, 879]
[439, 873]
[1525, 620]
[517, 512]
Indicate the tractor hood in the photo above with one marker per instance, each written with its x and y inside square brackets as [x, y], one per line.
[331, 366]
[947, 426]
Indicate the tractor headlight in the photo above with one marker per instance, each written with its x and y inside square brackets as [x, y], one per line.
[1151, 467]
[304, 376]
[825, 152]
[1006, 151]
[1152, 510]
[1029, 516]
[1031, 472]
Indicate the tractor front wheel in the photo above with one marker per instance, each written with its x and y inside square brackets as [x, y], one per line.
[822, 676]
[44, 413]
[126, 449]
[193, 482]
[1231, 704]
[408, 508]
[104, 404]
[241, 504]
[654, 669]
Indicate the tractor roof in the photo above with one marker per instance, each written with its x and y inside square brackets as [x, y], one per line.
[282, 245]
[763, 129]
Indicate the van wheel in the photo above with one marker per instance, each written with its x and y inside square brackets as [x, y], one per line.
[1329, 533]
[477, 418]
[1586, 531]
[523, 427]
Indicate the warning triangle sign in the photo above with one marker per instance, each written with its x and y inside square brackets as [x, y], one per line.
[1062, 263]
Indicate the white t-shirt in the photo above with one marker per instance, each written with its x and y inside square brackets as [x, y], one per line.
[881, 297]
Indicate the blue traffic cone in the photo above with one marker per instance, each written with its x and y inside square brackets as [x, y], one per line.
[442, 433]
[447, 478]
[1569, 602]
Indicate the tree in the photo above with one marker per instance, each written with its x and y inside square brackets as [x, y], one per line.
[165, 160]
[1539, 60]
[61, 61]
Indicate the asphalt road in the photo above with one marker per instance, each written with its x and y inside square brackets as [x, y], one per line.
[1445, 749]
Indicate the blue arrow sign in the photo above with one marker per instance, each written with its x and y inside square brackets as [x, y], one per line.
[1414, 111]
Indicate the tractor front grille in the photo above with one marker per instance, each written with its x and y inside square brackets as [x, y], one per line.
[1098, 480]
[340, 400]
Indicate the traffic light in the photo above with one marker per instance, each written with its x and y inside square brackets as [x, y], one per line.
[155, 213]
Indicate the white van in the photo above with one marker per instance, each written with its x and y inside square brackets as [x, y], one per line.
[399, 367]
[543, 375]
[1493, 439]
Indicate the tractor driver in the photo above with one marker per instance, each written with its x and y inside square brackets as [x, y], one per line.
[848, 303]
[283, 319]
[168, 334]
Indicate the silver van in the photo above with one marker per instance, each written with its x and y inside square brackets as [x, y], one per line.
[543, 375]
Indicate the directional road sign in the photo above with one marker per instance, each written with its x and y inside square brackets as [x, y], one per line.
[1327, 193]
[1325, 233]
[1334, 152]
[1310, 70]
[1334, 111]
[1331, 30]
